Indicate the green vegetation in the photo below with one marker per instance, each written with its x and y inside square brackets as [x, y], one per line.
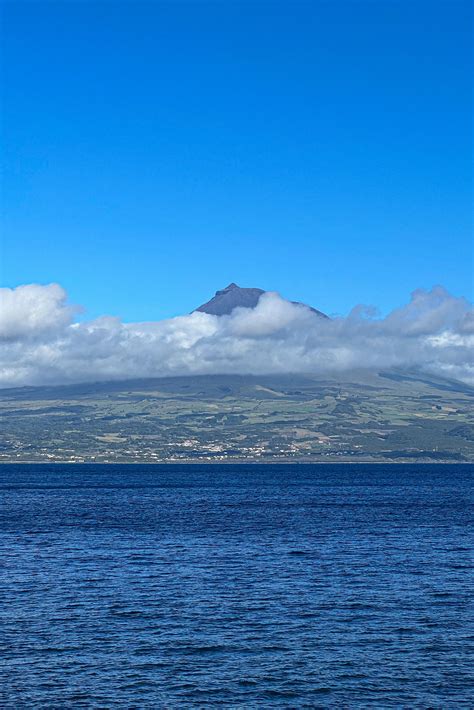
[389, 416]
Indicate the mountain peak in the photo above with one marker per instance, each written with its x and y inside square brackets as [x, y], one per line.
[230, 287]
[234, 296]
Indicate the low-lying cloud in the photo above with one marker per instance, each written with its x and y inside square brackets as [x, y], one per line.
[40, 342]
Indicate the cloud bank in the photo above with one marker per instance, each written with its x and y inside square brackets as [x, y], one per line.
[40, 343]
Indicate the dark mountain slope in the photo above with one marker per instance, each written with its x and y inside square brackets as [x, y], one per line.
[233, 296]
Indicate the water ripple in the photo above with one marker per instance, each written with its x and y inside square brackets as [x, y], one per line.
[230, 586]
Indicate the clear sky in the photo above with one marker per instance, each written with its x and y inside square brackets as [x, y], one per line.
[154, 152]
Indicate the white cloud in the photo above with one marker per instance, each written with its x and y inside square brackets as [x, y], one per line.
[28, 311]
[41, 344]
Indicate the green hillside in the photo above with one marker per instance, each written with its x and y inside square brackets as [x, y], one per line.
[388, 416]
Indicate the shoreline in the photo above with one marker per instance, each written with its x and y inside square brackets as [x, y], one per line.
[191, 462]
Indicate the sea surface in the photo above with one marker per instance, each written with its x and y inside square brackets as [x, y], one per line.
[345, 586]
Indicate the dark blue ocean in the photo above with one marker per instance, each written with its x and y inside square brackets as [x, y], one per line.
[346, 586]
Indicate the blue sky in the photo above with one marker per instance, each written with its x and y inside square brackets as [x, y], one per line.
[154, 152]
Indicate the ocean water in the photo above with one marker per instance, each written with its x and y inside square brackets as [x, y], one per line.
[344, 586]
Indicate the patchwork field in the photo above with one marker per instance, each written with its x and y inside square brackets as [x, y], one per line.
[387, 416]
